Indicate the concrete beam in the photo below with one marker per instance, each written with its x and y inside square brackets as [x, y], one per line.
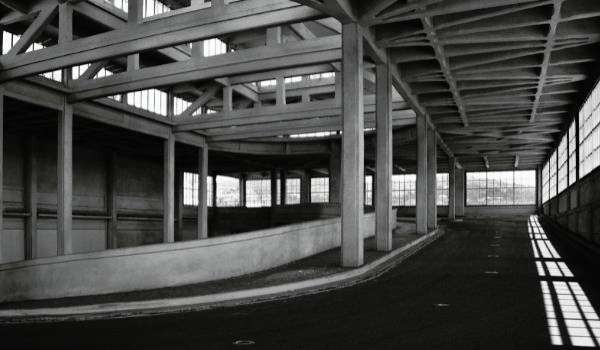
[288, 55]
[178, 27]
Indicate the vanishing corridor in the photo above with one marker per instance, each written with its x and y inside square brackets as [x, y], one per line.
[486, 284]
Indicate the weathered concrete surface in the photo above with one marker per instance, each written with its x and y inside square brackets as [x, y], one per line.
[577, 209]
[164, 265]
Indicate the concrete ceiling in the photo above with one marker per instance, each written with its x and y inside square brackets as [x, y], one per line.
[500, 79]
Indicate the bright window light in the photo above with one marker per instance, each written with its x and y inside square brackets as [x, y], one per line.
[565, 302]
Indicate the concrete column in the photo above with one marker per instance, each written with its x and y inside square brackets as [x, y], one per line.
[338, 86]
[383, 184]
[218, 5]
[169, 190]
[280, 98]
[305, 187]
[227, 98]
[305, 96]
[431, 180]
[111, 200]
[452, 189]
[335, 165]
[538, 187]
[459, 193]
[65, 145]
[273, 188]
[274, 36]
[202, 213]
[31, 194]
[353, 174]
[198, 49]
[65, 180]
[242, 190]
[65, 34]
[421, 214]
[283, 179]
[134, 16]
[214, 192]
[179, 200]
[1, 169]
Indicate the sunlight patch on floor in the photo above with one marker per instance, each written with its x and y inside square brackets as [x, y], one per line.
[568, 309]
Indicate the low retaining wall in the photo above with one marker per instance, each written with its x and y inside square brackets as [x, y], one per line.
[173, 264]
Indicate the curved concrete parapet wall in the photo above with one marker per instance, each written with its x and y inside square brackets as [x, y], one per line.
[164, 265]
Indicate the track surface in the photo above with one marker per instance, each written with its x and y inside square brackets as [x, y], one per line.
[475, 288]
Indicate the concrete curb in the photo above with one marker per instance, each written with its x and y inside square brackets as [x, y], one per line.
[203, 302]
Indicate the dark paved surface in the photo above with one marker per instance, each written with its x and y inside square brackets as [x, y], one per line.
[442, 298]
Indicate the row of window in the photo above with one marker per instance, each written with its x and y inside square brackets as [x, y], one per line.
[501, 187]
[560, 171]
[150, 7]
[258, 192]
[296, 79]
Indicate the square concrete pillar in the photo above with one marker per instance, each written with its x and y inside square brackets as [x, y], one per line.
[242, 190]
[382, 198]
[214, 191]
[202, 213]
[421, 209]
[64, 169]
[31, 202]
[305, 187]
[452, 189]
[169, 189]
[273, 188]
[283, 187]
[335, 164]
[111, 199]
[431, 180]
[280, 97]
[352, 145]
[1, 170]
[459, 193]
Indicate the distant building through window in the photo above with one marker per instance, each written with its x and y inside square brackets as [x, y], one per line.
[501, 187]
[228, 191]
[441, 197]
[369, 190]
[258, 193]
[292, 191]
[319, 190]
[190, 189]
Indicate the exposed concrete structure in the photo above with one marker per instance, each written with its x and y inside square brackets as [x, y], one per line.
[266, 95]
[422, 179]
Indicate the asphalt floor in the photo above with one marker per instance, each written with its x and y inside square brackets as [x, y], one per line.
[477, 287]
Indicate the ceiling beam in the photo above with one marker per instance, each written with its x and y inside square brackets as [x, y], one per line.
[290, 55]
[179, 27]
[551, 38]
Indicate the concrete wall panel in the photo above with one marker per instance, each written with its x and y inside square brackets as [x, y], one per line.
[173, 264]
